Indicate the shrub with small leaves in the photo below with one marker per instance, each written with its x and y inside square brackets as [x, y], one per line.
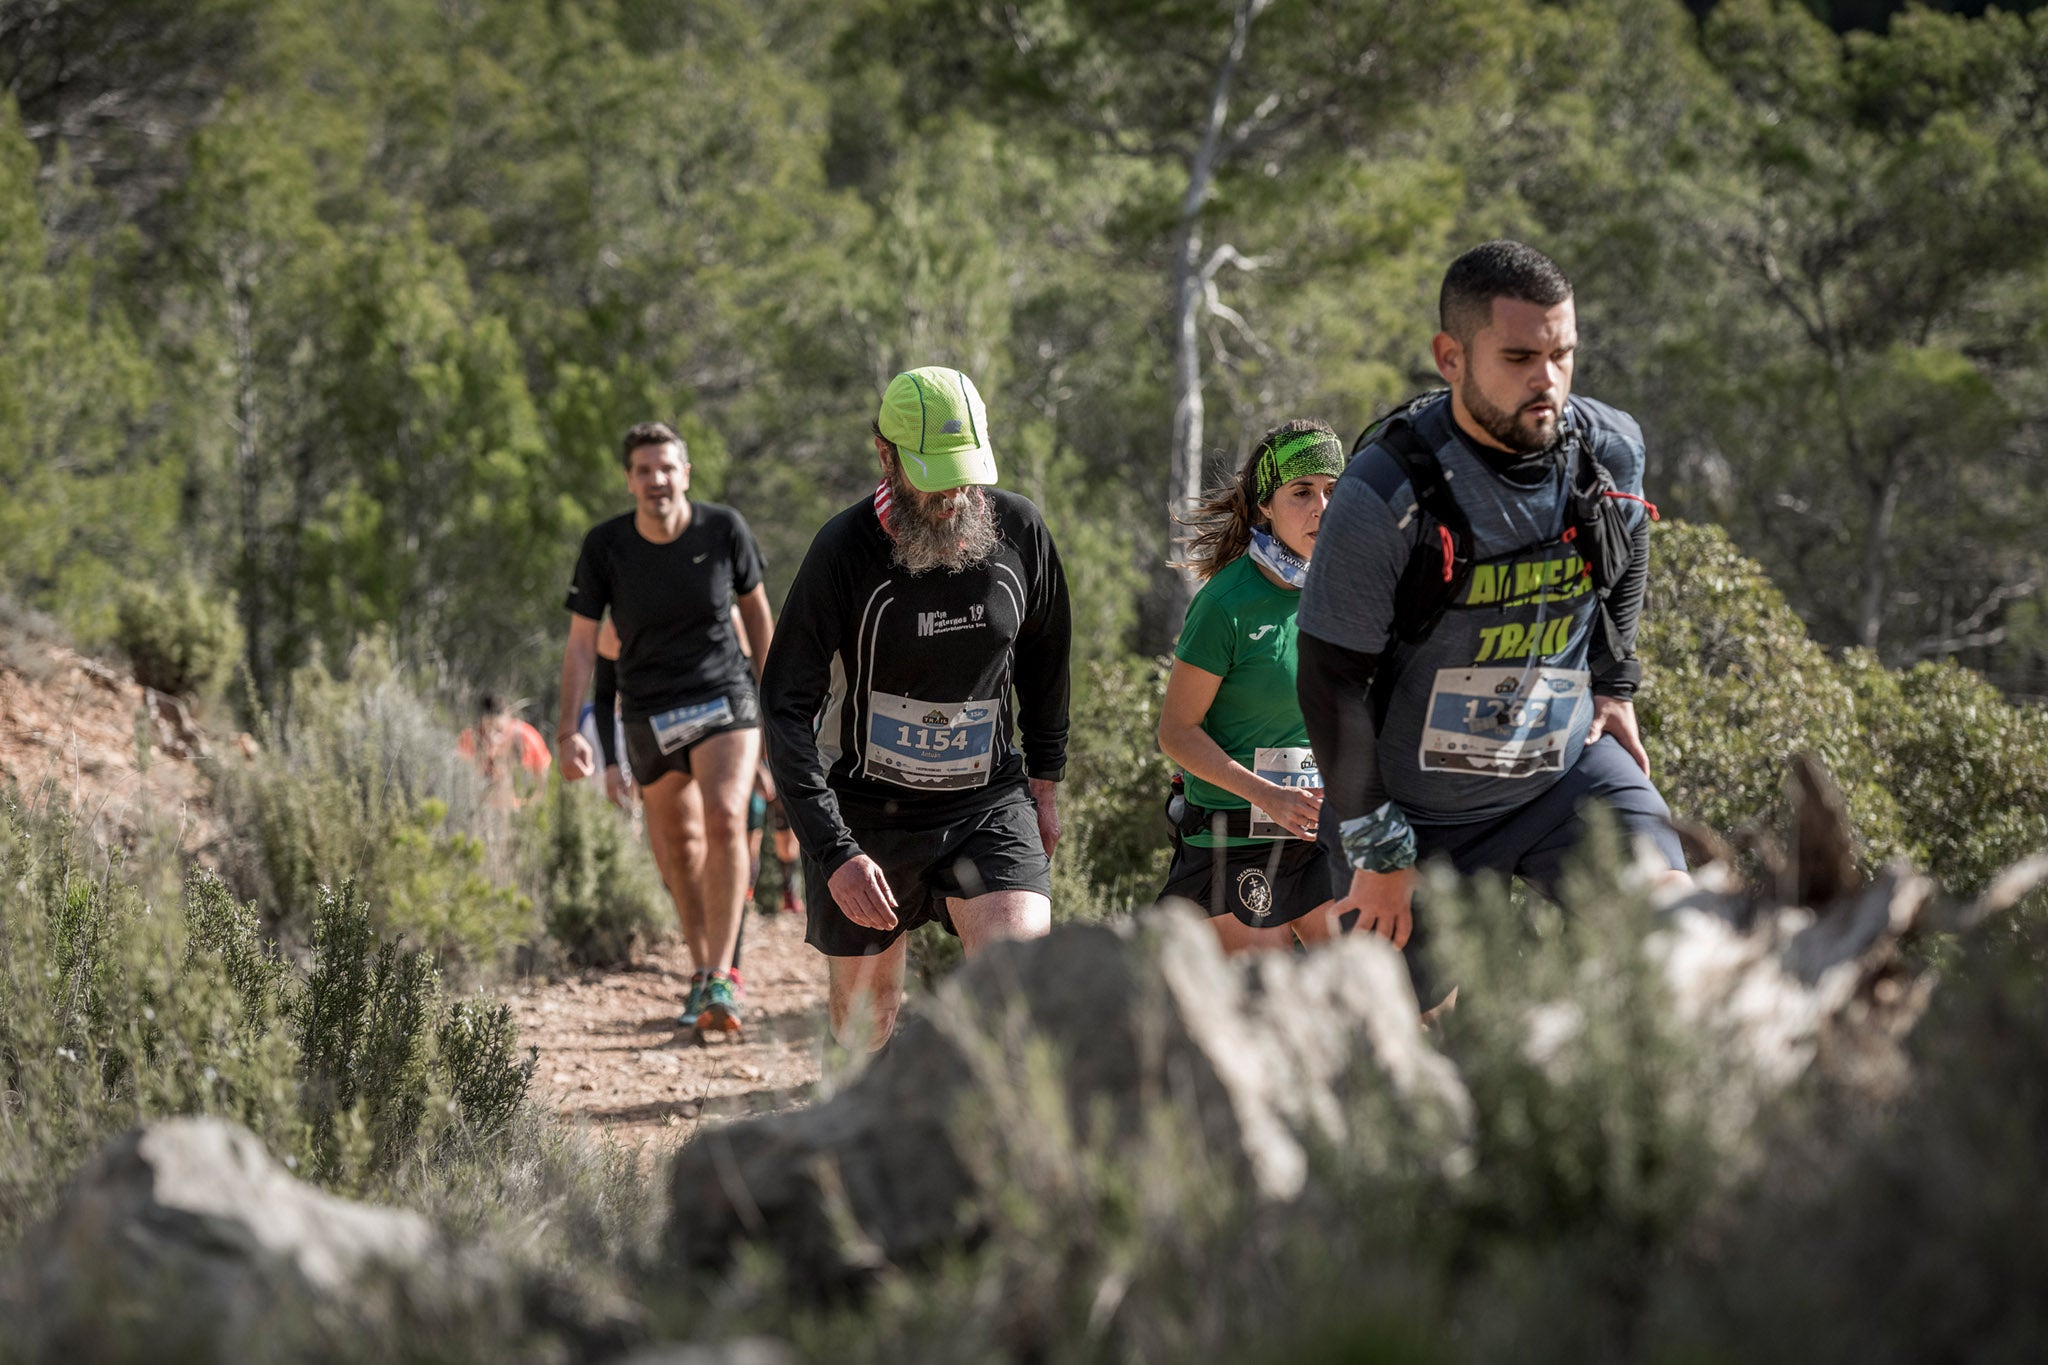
[115, 1011]
[1970, 766]
[595, 884]
[180, 639]
[364, 785]
[1115, 788]
[1733, 688]
[487, 1078]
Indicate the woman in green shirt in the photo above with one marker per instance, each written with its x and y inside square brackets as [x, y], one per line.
[1245, 850]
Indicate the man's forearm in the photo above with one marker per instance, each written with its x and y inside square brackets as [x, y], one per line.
[1334, 686]
[812, 809]
[578, 660]
[1619, 676]
[792, 691]
[760, 627]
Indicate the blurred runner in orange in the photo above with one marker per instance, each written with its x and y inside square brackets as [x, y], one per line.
[511, 754]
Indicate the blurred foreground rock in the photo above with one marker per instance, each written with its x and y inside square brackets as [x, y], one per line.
[1815, 968]
[1109, 1028]
[188, 1235]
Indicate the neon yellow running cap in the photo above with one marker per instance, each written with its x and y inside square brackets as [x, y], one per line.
[935, 419]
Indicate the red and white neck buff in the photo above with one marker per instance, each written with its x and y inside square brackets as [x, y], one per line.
[883, 501]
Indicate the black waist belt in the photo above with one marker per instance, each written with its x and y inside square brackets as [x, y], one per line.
[1188, 819]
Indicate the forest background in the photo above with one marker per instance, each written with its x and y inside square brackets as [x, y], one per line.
[320, 319]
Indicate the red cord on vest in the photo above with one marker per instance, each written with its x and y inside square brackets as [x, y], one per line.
[1450, 553]
[1637, 497]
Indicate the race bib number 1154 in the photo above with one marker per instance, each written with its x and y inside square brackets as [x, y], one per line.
[932, 746]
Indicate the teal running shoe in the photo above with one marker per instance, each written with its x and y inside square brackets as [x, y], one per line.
[693, 1004]
[720, 1013]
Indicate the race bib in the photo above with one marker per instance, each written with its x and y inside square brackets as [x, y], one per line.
[941, 746]
[686, 725]
[1501, 722]
[1283, 768]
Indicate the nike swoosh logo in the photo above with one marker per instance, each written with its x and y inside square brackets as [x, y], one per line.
[699, 559]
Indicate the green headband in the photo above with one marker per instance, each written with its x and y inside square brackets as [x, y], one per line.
[1295, 456]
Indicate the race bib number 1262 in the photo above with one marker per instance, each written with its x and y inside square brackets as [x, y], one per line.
[1501, 722]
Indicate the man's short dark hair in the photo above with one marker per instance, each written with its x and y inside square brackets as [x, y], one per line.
[652, 434]
[1496, 270]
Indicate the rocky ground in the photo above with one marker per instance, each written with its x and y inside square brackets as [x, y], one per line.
[612, 1057]
[82, 731]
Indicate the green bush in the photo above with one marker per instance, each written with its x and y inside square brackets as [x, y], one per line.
[180, 639]
[1733, 688]
[115, 1011]
[595, 883]
[363, 784]
[1970, 766]
[1114, 844]
[1935, 764]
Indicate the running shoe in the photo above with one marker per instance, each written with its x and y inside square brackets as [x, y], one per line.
[693, 1004]
[721, 1011]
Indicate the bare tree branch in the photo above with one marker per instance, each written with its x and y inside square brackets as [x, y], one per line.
[1971, 634]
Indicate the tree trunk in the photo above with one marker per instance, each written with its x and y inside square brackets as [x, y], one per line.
[1877, 540]
[1184, 479]
[249, 474]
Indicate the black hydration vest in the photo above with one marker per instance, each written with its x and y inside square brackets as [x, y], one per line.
[1440, 564]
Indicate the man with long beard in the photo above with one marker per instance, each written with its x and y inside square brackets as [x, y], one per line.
[888, 705]
[1467, 664]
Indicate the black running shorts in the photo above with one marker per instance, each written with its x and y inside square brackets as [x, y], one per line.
[1270, 882]
[992, 850]
[661, 743]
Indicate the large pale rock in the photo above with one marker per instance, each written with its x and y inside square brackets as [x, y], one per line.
[189, 1235]
[1248, 1059]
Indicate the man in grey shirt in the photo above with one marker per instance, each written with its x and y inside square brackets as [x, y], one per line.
[1481, 736]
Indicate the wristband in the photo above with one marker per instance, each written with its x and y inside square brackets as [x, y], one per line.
[1381, 841]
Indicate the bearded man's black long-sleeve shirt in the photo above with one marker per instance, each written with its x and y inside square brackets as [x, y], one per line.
[887, 696]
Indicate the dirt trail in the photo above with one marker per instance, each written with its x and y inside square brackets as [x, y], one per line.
[611, 1055]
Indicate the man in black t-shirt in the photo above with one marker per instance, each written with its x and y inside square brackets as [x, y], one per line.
[670, 573]
[887, 698]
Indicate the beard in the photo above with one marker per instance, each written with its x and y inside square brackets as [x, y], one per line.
[1524, 435]
[926, 540]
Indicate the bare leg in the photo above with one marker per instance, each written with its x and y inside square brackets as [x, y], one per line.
[675, 831]
[999, 915]
[864, 995]
[1317, 926]
[724, 767]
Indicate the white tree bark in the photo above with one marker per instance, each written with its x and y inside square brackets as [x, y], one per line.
[1184, 481]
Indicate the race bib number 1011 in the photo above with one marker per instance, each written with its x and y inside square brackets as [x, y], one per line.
[1283, 768]
[932, 746]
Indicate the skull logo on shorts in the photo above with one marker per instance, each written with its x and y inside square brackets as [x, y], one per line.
[1254, 891]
